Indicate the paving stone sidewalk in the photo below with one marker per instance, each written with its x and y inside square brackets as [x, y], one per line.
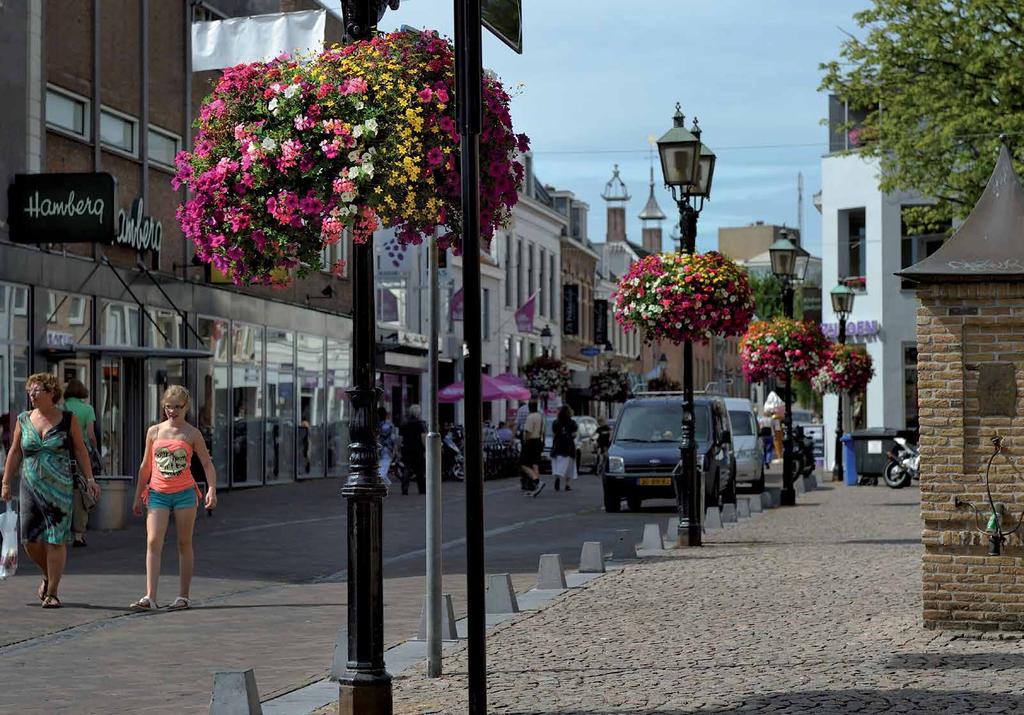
[815, 608]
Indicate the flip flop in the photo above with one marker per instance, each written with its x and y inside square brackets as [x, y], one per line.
[143, 604]
[180, 604]
[51, 601]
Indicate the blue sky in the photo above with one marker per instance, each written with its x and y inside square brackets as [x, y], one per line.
[598, 77]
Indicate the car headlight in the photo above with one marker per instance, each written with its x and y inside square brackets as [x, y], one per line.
[616, 465]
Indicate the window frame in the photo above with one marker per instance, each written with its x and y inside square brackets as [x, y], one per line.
[131, 121]
[166, 134]
[86, 105]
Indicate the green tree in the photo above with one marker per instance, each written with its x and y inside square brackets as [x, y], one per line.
[942, 79]
[767, 292]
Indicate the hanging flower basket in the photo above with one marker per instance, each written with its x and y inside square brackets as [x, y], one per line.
[843, 370]
[610, 386]
[547, 375]
[678, 297]
[663, 384]
[770, 346]
[292, 153]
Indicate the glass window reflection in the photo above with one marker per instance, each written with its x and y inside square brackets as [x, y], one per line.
[247, 404]
[310, 434]
[211, 408]
[280, 401]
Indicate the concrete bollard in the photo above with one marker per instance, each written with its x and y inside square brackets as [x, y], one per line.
[729, 513]
[652, 538]
[672, 532]
[235, 693]
[798, 485]
[591, 557]
[448, 632]
[776, 493]
[766, 500]
[754, 503]
[623, 546]
[812, 482]
[500, 597]
[550, 574]
[742, 509]
[712, 518]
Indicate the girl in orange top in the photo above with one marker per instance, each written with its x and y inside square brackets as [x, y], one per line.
[166, 484]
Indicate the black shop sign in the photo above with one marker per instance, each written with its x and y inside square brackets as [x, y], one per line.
[570, 310]
[62, 208]
[600, 322]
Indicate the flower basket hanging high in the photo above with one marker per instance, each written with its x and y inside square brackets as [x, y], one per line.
[610, 386]
[293, 153]
[679, 297]
[547, 375]
[843, 370]
[770, 346]
[663, 383]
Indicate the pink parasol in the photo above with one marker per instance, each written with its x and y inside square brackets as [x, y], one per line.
[493, 389]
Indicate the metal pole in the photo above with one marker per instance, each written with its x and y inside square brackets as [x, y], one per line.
[365, 686]
[433, 480]
[688, 483]
[837, 470]
[468, 72]
[788, 492]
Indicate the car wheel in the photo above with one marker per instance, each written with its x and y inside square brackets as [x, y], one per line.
[612, 501]
[758, 484]
[634, 503]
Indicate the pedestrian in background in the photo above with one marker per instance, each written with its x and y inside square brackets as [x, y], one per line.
[46, 440]
[414, 450]
[533, 448]
[504, 434]
[604, 437]
[76, 396]
[563, 447]
[166, 485]
[764, 425]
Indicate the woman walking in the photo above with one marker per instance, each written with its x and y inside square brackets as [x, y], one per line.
[563, 447]
[166, 484]
[75, 401]
[46, 440]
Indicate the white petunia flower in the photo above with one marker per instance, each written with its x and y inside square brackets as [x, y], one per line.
[268, 144]
[291, 91]
[357, 131]
[272, 105]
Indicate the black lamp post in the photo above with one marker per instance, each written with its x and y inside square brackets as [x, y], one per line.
[842, 305]
[545, 339]
[789, 264]
[688, 167]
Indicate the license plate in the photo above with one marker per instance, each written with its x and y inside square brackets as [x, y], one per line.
[655, 481]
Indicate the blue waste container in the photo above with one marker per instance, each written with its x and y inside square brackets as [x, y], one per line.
[849, 461]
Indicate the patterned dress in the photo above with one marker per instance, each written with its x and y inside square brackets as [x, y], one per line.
[46, 482]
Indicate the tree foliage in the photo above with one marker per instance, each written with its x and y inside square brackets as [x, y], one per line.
[767, 292]
[941, 80]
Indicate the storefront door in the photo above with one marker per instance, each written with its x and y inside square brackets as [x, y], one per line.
[109, 406]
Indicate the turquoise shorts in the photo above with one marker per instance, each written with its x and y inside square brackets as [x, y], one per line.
[178, 500]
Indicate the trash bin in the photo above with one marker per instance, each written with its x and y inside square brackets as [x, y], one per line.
[113, 506]
[849, 461]
[872, 446]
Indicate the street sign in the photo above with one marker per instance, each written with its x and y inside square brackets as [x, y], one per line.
[590, 351]
[504, 18]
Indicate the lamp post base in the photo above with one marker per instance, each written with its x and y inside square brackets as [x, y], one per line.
[788, 497]
[364, 694]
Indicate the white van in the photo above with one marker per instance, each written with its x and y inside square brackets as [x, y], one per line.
[746, 443]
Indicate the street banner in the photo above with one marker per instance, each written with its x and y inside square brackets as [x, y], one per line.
[458, 301]
[570, 310]
[600, 322]
[240, 40]
[525, 315]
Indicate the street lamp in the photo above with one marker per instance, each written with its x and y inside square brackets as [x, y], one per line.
[545, 339]
[663, 364]
[789, 264]
[688, 168]
[842, 305]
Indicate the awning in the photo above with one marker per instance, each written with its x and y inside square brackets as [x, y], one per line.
[130, 351]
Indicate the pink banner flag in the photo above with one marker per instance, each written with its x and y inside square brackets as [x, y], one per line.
[456, 310]
[525, 315]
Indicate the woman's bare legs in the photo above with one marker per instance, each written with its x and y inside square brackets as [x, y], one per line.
[56, 558]
[184, 520]
[156, 530]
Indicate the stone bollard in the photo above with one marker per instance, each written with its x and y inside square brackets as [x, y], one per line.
[776, 493]
[235, 693]
[623, 546]
[742, 509]
[652, 540]
[754, 503]
[729, 513]
[712, 519]
[812, 481]
[448, 632]
[672, 532]
[550, 574]
[500, 597]
[591, 557]
[766, 500]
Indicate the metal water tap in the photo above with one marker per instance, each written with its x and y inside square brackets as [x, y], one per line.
[994, 529]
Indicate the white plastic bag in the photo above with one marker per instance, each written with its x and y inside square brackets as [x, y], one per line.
[8, 542]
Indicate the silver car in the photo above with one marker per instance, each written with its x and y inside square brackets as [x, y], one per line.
[586, 444]
[746, 443]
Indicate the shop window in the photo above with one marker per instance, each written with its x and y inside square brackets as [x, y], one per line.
[13, 312]
[68, 318]
[246, 406]
[162, 146]
[119, 323]
[163, 328]
[118, 131]
[280, 406]
[310, 436]
[211, 401]
[67, 112]
[338, 378]
[391, 301]
[853, 247]
[915, 247]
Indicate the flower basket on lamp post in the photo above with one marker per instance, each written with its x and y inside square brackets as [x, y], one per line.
[546, 376]
[770, 347]
[843, 370]
[610, 386]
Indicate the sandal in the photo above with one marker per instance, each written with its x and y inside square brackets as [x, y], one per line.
[41, 591]
[51, 601]
[180, 604]
[144, 604]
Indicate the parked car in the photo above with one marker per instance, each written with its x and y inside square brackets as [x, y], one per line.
[746, 443]
[586, 445]
[644, 450]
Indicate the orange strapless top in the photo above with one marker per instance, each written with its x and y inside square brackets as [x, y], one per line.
[170, 467]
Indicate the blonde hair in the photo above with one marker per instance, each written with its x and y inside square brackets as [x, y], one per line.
[177, 391]
[48, 382]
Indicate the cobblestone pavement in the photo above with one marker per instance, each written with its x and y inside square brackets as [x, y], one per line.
[815, 608]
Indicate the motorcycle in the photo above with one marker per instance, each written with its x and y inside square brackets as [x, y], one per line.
[803, 453]
[453, 463]
[903, 464]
